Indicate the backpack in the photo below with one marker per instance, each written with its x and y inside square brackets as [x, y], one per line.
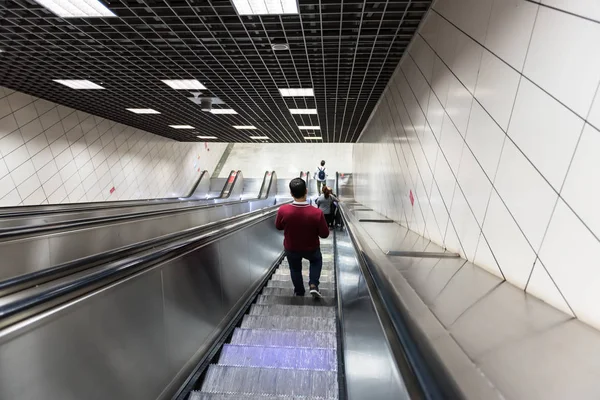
[321, 174]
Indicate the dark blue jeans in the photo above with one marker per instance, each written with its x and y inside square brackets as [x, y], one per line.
[295, 261]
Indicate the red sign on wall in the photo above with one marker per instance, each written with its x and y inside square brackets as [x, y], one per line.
[112, 190]
[412, 198]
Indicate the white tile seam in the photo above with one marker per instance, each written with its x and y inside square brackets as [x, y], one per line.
[428, 196]
[539, 3]
[504, 62]
[465, 144]
[433, 174]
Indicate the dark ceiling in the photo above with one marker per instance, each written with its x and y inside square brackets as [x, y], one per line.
[345, 50]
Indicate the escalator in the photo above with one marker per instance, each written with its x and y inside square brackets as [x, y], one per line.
[285, 346]
[208, 313]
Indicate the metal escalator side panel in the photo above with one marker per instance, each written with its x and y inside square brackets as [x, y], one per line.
[148, 327]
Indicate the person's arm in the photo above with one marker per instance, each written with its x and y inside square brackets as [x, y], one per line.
[334, 198]
[279, 220]
[323, 227]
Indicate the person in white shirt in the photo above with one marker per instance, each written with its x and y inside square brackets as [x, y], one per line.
[321, 177]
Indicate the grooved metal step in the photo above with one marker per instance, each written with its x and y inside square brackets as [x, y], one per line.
[305, 272]
[292, 311]
[286, 277]
[278, 357]
[290, 292]
[289, 323]
[296, 300]
[289, 284]
[270, 381]
[328, 268]
[263, 337]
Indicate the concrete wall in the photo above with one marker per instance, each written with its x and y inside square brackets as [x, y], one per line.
[54, 154]
[287, 159]
[491, 124]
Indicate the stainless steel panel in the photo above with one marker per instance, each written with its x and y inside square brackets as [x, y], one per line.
[112, 345]
[370, 370]
[40, 252]
[131, 339]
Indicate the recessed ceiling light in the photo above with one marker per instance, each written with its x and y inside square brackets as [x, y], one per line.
[76, 8]
[245, 127]
[307, 128]
[143, 111]
[223, 111]
[313, 138]
[259, 137]
[78, 83]
[184, 84]
[280, 46]
[181, 126]
[265, 7]
[297, 92]
[206, 137]
[303, 110]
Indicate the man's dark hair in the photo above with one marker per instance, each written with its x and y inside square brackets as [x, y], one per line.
[322, 163]
[298, 188]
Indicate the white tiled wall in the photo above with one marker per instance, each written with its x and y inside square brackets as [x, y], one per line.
[54, 154]
[492, 121]
[287, 159]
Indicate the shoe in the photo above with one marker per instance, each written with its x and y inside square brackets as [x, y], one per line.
[314, 292]
[299, 294]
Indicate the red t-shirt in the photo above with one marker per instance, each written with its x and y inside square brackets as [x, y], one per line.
[302, 226]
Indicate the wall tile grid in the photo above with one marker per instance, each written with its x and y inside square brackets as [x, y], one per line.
[287, 159]
[54, 154]
[492, 121]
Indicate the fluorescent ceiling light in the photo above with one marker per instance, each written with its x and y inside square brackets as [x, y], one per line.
[303, 110]
[307, 128]
[244, 127]
[259, 137]
[223, 111]
[265, 7]
[313, 138]
[184, 84]
[297, 92]
[206, 137]
[182, 127]
[76, 8]
[142, 111]
[78, 83]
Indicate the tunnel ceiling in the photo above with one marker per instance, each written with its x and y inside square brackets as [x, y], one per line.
[345, 50]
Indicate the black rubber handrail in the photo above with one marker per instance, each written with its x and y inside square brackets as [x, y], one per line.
[434, 380]
[29, 230]
[25, 281]
[11, 212]
[19, 306]
[227, 184]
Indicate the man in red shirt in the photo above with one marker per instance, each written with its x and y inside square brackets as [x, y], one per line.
[302, 225]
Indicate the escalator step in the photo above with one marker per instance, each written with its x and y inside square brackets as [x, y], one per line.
[286, 277]
[305, 272]
[289, 284]
[263, 337]
[289, 292]
[292, 311]
[289, 323]
[224, 396]
[325, 267]
[278, 357]
[296, 300]
[271, 381]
